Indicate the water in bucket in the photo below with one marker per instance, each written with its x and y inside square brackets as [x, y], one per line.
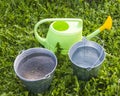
[35, 67]
[85, 56]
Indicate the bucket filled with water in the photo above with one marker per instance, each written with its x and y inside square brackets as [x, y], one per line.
[35, 67]
[86, 57]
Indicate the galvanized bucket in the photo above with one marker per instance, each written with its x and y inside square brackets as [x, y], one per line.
[35, 67]
[86, 57]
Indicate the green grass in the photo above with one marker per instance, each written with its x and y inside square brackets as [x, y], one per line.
[17, 20]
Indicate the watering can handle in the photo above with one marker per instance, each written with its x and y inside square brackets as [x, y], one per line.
[43, 40]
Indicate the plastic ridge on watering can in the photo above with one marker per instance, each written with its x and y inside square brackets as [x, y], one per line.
[65, 31]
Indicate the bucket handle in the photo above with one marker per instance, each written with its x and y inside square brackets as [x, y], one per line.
[89, 68]
[20, 52]
[43, 40]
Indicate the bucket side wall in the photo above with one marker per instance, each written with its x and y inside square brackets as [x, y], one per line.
[38, 86]
[84, 74]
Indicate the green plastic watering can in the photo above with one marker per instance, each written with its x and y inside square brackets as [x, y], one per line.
[66, 32]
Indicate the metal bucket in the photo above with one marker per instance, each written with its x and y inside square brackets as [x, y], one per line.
[86, 57]
[35, 67]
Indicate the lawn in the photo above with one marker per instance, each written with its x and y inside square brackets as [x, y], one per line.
[17, 21]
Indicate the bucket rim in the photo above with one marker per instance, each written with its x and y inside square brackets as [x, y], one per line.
[70, 57]
[46, 76]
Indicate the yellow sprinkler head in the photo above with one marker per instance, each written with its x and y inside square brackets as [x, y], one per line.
[107, 24]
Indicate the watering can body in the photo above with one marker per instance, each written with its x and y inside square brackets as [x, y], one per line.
[64, 32]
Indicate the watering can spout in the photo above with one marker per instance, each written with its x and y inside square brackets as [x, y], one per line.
[107, 25]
